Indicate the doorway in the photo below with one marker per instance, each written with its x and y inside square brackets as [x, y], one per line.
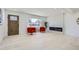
[13, 25]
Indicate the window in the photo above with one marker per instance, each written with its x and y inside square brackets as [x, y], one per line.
[34, 22]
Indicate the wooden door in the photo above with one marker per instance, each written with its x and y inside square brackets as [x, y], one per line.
[13, 25]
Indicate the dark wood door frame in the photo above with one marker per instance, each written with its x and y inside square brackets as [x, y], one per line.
[15, 27]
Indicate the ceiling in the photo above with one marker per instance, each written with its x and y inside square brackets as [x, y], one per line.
[75, 10]
[44, 11]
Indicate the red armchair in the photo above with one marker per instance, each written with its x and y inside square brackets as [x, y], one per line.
[42, 29]
[31, 30]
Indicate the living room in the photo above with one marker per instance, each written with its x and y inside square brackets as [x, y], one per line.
[39, 26]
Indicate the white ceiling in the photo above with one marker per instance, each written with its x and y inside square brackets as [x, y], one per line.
[75, 9]
[38, 11]
[43, 11]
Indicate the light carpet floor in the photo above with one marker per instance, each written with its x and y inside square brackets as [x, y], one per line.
[40, 41]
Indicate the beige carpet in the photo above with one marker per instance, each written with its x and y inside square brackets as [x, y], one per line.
[53, 40]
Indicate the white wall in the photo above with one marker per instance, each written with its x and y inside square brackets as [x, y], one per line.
[55, 20]
[70, 25]
[1, 32]
[2, 25]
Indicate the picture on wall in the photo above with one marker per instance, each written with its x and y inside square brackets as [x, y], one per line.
[77, 21]
[0, 17]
